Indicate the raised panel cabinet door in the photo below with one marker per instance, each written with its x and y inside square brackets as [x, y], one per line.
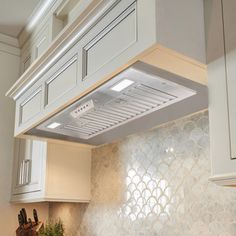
[41, 42]
[110, 37]
[62, 81]
[31, 106]
[22, 162]
[37, 170]
[17, 181]
[229, 20]
[30, 166]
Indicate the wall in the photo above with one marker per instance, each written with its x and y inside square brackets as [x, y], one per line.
[9, 71]
[154, 183]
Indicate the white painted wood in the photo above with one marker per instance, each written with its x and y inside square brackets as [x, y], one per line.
[122, 45]
[229, 7]
[30, 158]
[221, 35]
[9, 72]
[30, 31]
[31, 106]
[41, 41]
[35, 46]
[57, 26]
[26, 57]
[9, 49]
[110, 38]
[8, 40]
[64, 80]
[219, 131]
[26, 63]
[65, 7]
[57, 172]
[78, 10]
[56, 86]
[106, 45]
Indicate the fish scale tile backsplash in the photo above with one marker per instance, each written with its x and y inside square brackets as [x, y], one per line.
[154, 183]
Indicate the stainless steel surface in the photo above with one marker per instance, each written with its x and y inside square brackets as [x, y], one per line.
[93, 118]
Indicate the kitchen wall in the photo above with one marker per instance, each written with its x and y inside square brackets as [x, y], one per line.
[154, 183]
[9, 72]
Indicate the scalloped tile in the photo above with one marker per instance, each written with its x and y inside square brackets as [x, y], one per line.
[154, 184]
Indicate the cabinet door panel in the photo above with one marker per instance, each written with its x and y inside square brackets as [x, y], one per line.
[31, 106]
[37, 171]
[30, 166]
[22, 155]
[112, 40]
[63, 80]
[229, 16]
[42, 42]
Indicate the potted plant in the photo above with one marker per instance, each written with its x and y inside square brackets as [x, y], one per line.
[53, 228]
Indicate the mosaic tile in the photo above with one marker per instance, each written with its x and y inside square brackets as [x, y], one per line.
[154, 184]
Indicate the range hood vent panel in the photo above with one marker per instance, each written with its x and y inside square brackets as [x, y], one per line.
[105, 108]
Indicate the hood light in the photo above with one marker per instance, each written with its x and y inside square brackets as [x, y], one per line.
[122, 85]
[53, 125]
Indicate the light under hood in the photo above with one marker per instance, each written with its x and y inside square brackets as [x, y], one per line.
[135, 96]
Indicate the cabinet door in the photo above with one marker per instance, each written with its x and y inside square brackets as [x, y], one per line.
[41, 42]
[222, 165]
[29, 166]
[63, 79]
[103, 42]
[229, 16]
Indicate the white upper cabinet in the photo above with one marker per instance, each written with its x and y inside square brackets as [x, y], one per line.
[36, 45]
[96, 46]
[41, 41]
[43, 170]
[221, 57]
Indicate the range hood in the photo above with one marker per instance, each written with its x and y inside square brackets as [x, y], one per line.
[139, 98]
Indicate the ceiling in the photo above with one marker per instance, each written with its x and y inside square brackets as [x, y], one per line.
[14, 15]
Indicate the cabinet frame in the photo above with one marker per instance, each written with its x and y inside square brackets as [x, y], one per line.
[53, 157]
[36, 92]
[27, 185]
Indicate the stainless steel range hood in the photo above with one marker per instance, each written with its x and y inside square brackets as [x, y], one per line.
[137, 99]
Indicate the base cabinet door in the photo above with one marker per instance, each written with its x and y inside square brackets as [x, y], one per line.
[43, 170]
[30, 157]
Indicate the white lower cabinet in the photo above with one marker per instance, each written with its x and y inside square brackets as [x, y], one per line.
[50, 171]
[29, 166]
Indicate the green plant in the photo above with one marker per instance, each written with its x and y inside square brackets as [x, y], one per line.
[53, 228]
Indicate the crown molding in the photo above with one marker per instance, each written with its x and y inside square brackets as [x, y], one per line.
[8, 40]
[9, 45]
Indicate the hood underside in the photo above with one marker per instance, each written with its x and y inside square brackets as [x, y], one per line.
[135, 100]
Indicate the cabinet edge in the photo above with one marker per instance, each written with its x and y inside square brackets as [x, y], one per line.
[224, 179]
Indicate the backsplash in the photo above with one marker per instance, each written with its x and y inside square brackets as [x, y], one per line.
[154, 183]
